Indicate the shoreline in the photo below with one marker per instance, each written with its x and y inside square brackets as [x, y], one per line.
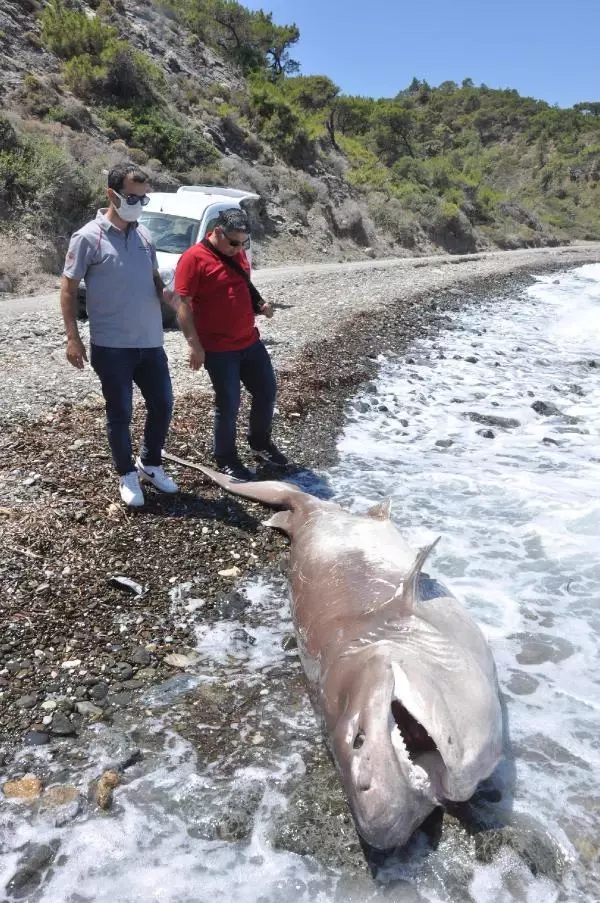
[64, 536]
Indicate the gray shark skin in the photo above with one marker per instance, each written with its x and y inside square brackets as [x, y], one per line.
[401, 674]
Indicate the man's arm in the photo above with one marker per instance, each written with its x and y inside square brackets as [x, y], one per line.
[186, 322]
[76, 353]
[164, 294]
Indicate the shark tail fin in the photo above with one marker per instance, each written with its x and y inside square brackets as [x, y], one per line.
[382, 510]
[269, 492]
[408, 589]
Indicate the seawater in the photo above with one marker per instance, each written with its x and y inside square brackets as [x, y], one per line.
[519, 516]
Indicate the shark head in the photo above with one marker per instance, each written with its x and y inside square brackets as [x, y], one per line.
[403, 738]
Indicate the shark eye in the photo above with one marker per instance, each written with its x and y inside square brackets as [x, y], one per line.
[359, 740]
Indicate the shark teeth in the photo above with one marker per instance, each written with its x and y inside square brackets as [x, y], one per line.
[416, 774]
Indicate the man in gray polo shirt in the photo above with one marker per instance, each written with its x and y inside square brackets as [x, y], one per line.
[115, 256]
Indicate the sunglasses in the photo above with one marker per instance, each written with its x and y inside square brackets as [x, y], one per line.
[133, 199]
[235, 243]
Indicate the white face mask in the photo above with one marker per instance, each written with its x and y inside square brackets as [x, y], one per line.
[130, 213]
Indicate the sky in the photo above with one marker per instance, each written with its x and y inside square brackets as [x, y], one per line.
[545, 49]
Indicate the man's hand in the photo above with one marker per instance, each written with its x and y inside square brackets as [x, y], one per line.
[197, 356]
[76, 353]
[267, 310]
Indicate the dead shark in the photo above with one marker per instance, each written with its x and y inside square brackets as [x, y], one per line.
[403, 677]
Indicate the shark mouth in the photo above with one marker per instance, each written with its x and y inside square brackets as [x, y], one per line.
[415, 749]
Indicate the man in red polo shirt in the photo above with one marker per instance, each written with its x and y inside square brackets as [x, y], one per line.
[217, 316]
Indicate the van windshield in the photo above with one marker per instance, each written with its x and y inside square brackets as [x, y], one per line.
[172, 234]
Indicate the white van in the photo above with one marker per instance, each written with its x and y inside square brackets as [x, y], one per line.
[179, 219]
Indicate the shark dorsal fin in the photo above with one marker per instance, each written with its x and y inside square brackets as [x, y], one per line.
[382, 510]
[407, 591]
[281, 520]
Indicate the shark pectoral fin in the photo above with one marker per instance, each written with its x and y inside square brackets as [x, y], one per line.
[382, 510]
[281, 520]
[408, 589]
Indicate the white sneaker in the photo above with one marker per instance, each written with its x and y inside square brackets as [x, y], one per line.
[130, 490]
[157, 476]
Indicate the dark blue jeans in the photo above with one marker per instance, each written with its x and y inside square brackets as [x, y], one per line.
[251, 367]
[119, 369]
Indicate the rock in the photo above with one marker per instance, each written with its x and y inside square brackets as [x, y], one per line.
[26, 788]
[546, 409]
[140, 656]
[125, 583]
[132, 684]
[472, 359]
[31, 865]
[548, 441]
[104, 789]
[135, 756]
[61, 725]
[124, 671]
[36, 738]
[26, 702]
[487, 434]
[176, 660]
[72, 663]
[444, 443]
[98, 691]
[48, 705]
[88, 709]
[230, 572]
[241, 637]
[506, 423]
[289, 642]
[120, 699]
[59, 795]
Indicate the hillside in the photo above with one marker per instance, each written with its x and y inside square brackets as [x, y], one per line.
[205, 91]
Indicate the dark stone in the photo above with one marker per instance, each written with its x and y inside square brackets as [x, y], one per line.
[241, 637]
[120, 699]
[444, 443]
[487, 434]
[26, 702]
[99, 690]
[492, 420]
[289, 642]
[548, 441]
[472, 359]
[140, 656]
[124, 671]
[546, 409]
[61, 726]
[36, 738]
[132, 759]
[29, 874]
[132, 684]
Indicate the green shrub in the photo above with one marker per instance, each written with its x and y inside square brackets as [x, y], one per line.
[69, 33]
[40, 183]
[278, 123]
[161, 137]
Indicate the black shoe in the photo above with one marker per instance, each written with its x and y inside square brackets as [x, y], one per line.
[233, 467]
[270, 454]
